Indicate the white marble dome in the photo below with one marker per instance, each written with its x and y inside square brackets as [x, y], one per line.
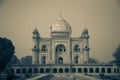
[60, 25]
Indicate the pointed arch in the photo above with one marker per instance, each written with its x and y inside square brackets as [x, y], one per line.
[44, 48]
[43, 60]
[76, 59]
[60, 60]
[76, 48]
[60, 48]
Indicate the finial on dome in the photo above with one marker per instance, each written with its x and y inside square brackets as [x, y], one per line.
[35, 30]
[61, 17]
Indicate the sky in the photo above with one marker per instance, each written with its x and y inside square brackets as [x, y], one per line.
[18, 18]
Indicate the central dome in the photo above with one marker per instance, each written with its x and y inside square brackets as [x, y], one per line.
[60, 25]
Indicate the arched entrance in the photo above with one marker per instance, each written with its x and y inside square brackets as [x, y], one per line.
[41, 70]
[43, 60]
[18, 71]
[60, 49]
[103, 70]
[73, 70]
[79, 70]
[91, 70]
[54, 70]
[30, 70]
[60, 70]
[66, 70]
[47, 70]
[23, 70]
[60, 60]
[35, 70]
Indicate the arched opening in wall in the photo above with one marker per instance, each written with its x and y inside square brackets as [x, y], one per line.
[103, 70]
[86, 46]
[60, 60]
[79, 70]
[91, 70]
[85, 70]
[6, 71]
[108, 70]
[76, 48]
[60, 48]
[73, 70]
[18, 71]
[118, 70]
[44, 48]
[97, 70]
[115, 70]
[23, 70]
[43, 60]
[60, 70]
[30, 70]
[36, 70]
[47, 70]
[66, 70]
[12, 71]
[41, 70]
[54, 70]
[76, 59]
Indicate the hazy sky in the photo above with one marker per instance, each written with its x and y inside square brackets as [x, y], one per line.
[18, 19]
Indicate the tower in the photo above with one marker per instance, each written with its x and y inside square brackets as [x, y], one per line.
[35, 49]
[86, 48]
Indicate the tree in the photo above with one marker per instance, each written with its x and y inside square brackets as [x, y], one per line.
[116, 55]
[6, 52]
[91, 60]
[14, 60]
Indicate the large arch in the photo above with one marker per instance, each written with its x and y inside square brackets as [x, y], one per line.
[60, 48]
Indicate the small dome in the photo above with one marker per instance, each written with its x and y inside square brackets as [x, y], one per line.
[60, 25]
[35, 31]
[85, 31]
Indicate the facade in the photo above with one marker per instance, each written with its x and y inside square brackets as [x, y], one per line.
[60, 48]
[62, 53]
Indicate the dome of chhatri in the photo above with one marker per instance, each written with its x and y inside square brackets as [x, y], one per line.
[85, 31]
[60, 25]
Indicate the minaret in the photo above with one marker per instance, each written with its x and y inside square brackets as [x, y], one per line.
[86, 48]
[35, 49]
